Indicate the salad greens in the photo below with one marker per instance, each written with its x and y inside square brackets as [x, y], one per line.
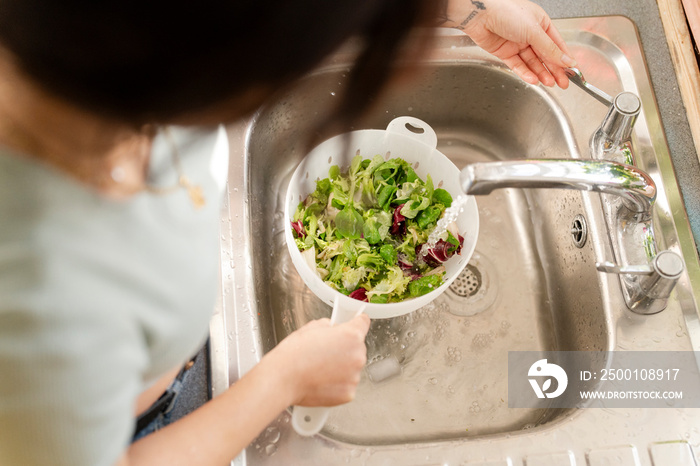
[365, 229]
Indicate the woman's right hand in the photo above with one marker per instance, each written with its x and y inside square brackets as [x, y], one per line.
[321, 364]
[519, 32]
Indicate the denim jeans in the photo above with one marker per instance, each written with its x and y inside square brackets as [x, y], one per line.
[163, 418]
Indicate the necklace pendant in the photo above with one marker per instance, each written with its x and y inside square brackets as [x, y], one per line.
[196, 196]
[193, 191]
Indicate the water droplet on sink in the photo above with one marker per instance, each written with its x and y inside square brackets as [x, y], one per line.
[270, 449]
[481, 340]
[439, 332]
[454, 354]
[272, 434]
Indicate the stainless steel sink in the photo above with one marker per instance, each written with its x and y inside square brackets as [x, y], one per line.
[530, 286]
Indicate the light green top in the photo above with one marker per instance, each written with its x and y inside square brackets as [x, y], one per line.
[99, 297]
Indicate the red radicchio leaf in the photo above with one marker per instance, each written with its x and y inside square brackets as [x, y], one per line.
[360, 294]
[398, 227]
[404, 265]
[441, 252]
[299, 228]
[412, 273]
[408, 269]
[458, 249]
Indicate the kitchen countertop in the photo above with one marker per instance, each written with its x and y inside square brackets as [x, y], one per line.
[645, 15]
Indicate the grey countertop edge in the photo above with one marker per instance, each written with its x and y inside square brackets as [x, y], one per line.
[645, 14]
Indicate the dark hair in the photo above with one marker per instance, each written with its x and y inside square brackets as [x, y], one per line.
[154, 60]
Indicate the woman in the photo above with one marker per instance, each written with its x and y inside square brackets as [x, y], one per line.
[110, 191]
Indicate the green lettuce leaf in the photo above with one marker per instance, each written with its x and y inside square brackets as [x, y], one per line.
[349, 222]
[424, 285]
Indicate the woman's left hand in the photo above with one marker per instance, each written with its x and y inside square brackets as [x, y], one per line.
[518, 32]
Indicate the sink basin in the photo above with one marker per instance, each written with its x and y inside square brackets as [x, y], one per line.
[531, 284]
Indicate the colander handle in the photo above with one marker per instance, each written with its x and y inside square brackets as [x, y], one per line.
[413, 128]
[309, 420]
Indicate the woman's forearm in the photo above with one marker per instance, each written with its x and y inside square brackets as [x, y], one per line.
[317, 365]
[219, 430]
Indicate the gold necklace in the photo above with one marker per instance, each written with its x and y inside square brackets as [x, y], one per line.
[194, 191]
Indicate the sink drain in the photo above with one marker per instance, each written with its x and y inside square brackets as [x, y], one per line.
[579, 231]
[475, 289]
[467, 283]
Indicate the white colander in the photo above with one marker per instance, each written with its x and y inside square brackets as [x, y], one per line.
[414, 141]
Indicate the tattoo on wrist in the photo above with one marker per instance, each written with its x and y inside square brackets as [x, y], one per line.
[479, 6]
[442, 18]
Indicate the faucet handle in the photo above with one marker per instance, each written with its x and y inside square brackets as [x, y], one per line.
[622, 109]
[622, 114]
[647, 294]
[576, 77]
[666, 264]
[611, 267]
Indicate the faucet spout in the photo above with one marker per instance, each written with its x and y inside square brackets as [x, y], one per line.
[635, 187]
[645, 286]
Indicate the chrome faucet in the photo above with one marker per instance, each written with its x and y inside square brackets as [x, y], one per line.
[635, 187]
[647, 277]
[611, 141]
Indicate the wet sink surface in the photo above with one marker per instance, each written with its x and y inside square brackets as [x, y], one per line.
[528, 287]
